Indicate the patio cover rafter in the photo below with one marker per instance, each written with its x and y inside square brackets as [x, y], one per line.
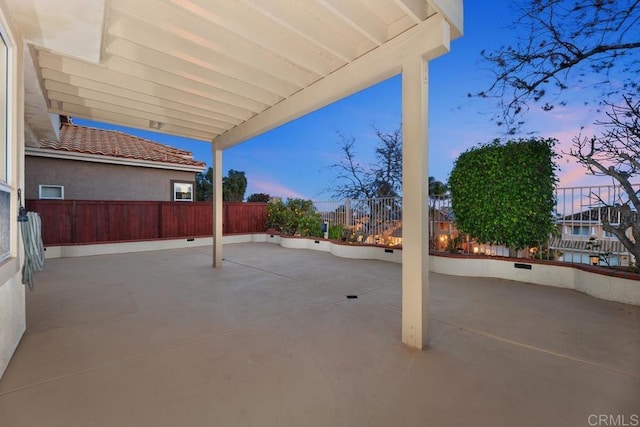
[239, 67]
[428, 40]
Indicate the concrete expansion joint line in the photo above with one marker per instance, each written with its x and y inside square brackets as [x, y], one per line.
[191, 341]
[163, 349]
[115, 362]
[538, 349]
[386, 285]
[305, 283]
[173, 347]
[391, 390]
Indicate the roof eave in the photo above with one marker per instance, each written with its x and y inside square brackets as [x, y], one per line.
[98, 158]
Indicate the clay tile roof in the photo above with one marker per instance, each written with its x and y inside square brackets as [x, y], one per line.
[82, 139]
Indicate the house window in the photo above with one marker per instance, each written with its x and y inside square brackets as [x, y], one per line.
[55, 192]
[182, 192]
[5, 189]
[581, 230]
[5, 224]
[4, 140]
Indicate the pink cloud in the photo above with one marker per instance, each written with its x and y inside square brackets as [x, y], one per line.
[268, 186]
[574, 175]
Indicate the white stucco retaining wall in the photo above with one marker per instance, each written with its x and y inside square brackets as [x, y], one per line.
[610, 288]
[343, 250]
[607, 287]
[562, 276]
[123, 247]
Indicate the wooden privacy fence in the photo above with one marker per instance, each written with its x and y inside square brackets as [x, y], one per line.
[67, 222]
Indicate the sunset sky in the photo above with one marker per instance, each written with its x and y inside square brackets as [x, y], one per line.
[294, 160]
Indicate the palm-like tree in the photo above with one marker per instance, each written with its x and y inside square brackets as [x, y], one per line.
[437, 191]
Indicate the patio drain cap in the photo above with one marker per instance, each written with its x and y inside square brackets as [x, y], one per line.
[352, 296]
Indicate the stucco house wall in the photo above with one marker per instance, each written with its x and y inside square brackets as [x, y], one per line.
[88, 163]
[12, 293]
[102, 181]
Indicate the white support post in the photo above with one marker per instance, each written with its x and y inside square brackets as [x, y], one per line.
[217, 205]
[415, 215]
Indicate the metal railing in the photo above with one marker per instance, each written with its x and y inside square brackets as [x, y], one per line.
[579, 214]
[372, 221]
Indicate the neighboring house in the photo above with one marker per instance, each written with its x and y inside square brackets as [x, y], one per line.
[95, 164]
[588, 224]
[443, 230]
[582, 235]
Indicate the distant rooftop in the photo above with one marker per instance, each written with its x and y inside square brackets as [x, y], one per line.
[88, 140]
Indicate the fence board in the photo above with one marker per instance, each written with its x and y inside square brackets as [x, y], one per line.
[56, 217]
[244, 217]
[182, 219]
[88, 221]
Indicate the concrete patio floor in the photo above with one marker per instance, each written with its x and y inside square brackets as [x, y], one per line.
[162, 339]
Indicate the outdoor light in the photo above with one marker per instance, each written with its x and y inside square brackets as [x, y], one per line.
[476, 249]
[594, 259]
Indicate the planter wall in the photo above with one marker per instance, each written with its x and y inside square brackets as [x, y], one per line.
[577, 277]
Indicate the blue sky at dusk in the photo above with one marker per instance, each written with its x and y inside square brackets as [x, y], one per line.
[294, 160]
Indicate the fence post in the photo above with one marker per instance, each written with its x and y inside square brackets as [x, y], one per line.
[74, 234]
[161, 232]
[347, 213]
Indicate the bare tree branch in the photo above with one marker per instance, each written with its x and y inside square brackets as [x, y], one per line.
[566, 41]
[384, 179]
[615, 153]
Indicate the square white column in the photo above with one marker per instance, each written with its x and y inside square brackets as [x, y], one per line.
[415, 215]
[217, 205]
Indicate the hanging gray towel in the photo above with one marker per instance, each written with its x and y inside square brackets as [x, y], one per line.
[33, 248]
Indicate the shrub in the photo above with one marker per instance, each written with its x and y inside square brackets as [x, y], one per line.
[543, 252]
[274, 215]
[295, 216]
[335, 231]
[310, 225]
[504, 193]
[354, 236]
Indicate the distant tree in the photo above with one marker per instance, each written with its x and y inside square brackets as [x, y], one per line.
[204, 185]
[616, 153]
[233, 186]
[437, 191]
[504, 193]
[384, 179]
[259, 197]
[388, 173]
